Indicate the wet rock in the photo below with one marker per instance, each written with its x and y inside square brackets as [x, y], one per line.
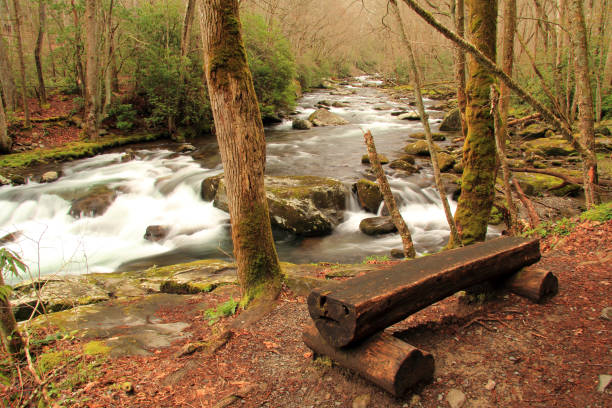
[383, 107]
[54, 294]
[49, 177]
[202, 278]
[419, 148]
[533, 131]
[408, 158]
[303, 205]
[458, 167]
[409, 116]
[362, 401]
[324, 103]
[4, 181]
[397, 113]
[445, 161]
[323, 117]
[606, 313]
[365, 159]
[368, 195]
[455, 398]
[94, 203]
[397, 253]
[437, 137]
[548, 147]
[156, 233]
[128, 155]
[537, 184]
[186, 148]
[604, 381]
[403, 165]
[327, 84]
[451, 121]
[10, 237]
[343, 92]
[301, 124]
[377, 225]
[339, 105]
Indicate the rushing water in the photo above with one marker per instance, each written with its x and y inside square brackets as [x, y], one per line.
[161, 187]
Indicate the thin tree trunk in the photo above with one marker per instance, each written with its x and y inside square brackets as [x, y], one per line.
[385, 189]
[51, 57]
[22, 69]
[108, 91]
[416, 75]
[8, 325]
[507, 65]
[584, 97]
[5, 140]
[78, 51]
[460, 64]
[242, 145]
[6, 78]
[557, 122]
[91, 68]
[534, 219]
[42, 93]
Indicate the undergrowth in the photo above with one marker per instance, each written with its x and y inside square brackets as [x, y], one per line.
[225, 309]
[564, 226]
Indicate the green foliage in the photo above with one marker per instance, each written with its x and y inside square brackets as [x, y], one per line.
[223, 310]
[49, 361]
[606, 106]
[11, 265]
[271, 63]
[600, 213]
[375, 258]
[124, 116]
[561, 227]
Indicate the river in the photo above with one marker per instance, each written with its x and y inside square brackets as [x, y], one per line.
[161, 187]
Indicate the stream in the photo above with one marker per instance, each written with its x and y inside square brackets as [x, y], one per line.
[162, 187]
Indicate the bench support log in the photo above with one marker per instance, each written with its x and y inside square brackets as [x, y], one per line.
[387, 361]
[534, 283]
[368, 304]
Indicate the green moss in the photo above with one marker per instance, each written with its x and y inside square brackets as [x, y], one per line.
[171, 286]
[600, 213]
[49, 361]
[95, 348]
[536, 184]
[71, 151]
[496, 216]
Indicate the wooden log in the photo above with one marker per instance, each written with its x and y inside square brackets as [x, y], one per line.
[387, 361]
[534, 283]
[367, 304]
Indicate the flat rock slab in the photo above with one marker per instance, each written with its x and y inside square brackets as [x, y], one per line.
[128, 327]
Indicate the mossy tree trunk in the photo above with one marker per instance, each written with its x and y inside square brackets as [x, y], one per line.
[459, 17]
[479, 159]
[242, 145]
[5, 140]
[22, 69]
[42, 92]
[8, 325]
[584, 97]
[91, 70]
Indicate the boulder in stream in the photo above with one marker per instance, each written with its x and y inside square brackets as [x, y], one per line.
[301, 124]
[303, 205]
[49, 177]
[95, 202]
[409, 116]
[377, 225]
[323, 117]
[156, 233]
[451, 121]
[368, 195]
[365, 159]
[419, 148]
[404, 165]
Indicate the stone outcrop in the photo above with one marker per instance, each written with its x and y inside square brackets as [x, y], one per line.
[303, 205]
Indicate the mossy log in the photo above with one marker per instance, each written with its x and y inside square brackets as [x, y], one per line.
[534, 283]
[367, 304]
[387, 361]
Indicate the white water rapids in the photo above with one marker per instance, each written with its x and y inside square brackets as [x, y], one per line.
[161, 187]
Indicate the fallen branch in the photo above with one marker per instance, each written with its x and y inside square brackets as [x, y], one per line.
[564, 177]
[533, 215]
[524, 119]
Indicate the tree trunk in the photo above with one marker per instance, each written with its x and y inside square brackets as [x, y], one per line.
[5, 140]
[91, 69]
[241, 139]
[108, 86]
[584, 97]
[6, 78]
[187, 23]
[22, 69]
[385, 189]
[479, 160]
[454, 237]
[42, 92]
[8, 325]
[507, 65]
[78, 51]
[460, 64]
[534, 283]
[355, 309]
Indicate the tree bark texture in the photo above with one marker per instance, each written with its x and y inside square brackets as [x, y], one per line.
[78, 51]
[8, 325]
[416, 81]
[22, 69]
[584, 97]
[479, 160]
[387, 361]
[5, 140]
[6, 78]
[460, 64]
[242, 145]
[42, 92]
[534, 283]
[91, 70]
[355, 309]
[507, 65]
[385, 189]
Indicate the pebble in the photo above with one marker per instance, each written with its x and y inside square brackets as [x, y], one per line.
[414, 401]
[606, 313]
[455, 398]
[49, 177]
[604, 381]
[362, 401]
[490, 385]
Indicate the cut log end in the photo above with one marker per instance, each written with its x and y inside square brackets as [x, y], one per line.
[387, 361]
[334, 320]
[534, 283]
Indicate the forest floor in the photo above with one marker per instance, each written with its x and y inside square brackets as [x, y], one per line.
[505, 352]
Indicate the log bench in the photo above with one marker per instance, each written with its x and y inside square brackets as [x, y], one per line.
[349, 317]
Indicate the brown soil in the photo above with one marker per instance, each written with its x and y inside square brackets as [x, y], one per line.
[537, 355]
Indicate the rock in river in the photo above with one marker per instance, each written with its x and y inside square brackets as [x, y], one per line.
[377, 225]
[95, 202]
[323, 117]
[368, 194]
[451, 121]
[303, 205]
